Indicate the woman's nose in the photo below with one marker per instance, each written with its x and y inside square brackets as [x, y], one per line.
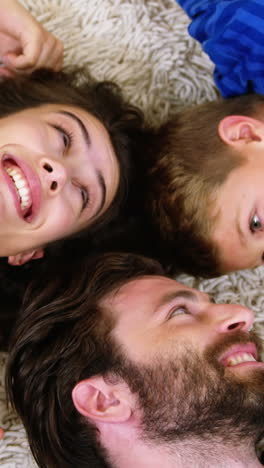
[231, 317]
[54, 174]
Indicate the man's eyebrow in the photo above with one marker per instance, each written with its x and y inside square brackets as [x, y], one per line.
[87, 139]
[182, 293]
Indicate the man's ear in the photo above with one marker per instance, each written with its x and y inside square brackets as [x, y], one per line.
[238, 130]
[24, 257]
[99, 400]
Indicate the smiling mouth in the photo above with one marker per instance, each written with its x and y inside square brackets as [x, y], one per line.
[21, 186]
[239, 358]
[240, 355]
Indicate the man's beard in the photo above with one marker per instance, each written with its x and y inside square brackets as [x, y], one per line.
[185, 396]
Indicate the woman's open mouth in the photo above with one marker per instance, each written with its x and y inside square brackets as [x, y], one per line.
[21, 185]
[24, 184]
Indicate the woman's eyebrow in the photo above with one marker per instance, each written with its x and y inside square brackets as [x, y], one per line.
[80, 124]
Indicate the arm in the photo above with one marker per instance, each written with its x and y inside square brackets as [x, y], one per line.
[24, 43]
[232, 34]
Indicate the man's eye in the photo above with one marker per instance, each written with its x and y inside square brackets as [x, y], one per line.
[255, 224]
[179, 310]
[85, 197]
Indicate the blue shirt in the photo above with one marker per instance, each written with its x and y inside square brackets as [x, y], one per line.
[232, 34]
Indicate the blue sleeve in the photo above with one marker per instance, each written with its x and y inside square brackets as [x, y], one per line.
[232, 34]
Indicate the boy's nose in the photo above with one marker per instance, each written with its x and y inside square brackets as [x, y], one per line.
[54, 175]
[228, 318]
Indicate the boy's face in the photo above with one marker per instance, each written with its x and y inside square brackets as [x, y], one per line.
[238, 230]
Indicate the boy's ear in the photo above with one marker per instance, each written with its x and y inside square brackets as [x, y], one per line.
[24, 257]
[237, 130]
[100, 401]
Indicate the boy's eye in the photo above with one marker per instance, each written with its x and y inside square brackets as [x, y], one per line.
[255, 224]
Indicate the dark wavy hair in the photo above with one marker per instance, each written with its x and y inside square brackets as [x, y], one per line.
[62, 337]
[124, 124]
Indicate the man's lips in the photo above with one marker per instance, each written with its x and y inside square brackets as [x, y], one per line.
[240, 355]
[33, 183]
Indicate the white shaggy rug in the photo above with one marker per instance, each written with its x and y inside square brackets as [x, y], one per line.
[144, 46]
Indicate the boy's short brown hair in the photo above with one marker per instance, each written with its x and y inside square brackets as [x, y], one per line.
[188, 163]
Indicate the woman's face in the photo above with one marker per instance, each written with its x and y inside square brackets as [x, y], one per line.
[58, 174]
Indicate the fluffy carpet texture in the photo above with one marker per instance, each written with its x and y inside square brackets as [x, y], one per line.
[143, 45]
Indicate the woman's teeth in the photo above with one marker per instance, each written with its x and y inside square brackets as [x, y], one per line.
[21, 186]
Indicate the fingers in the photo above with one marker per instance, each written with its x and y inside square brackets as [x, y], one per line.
[25, 44]
[30, 48]
[51, 55]
[44, 51]
[58, 56]
[6, 73]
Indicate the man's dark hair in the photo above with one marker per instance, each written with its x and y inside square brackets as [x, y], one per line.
[125, 126]
[63, 336]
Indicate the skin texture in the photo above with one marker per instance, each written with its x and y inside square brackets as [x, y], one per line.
[239, 227]
[154, 312]
[24, 43]
[143, 360]
[64, 164]
[176, 345]
[238, 230]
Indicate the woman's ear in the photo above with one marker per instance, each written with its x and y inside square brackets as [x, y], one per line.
[98, 400]
[238, 130]
[24, 257]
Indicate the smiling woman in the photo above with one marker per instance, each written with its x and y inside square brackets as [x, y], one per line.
[65, 158]
[56, 177]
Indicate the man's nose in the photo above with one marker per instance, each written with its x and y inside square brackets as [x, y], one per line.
[54, 174]
[228, 318]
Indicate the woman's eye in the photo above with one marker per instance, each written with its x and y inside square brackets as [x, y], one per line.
[255, 224]
[66, 140]
[85, 197]
[67, 137]
[180, 310]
